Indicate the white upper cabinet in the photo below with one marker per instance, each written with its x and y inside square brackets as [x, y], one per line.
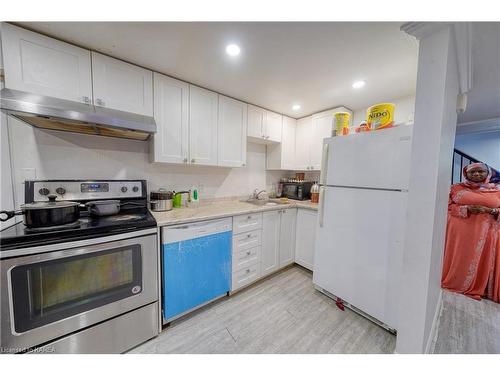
[232, 132]
[170, 144]
[122, 86]
[264, 126]
[287, 236]
[203, 110]
[40, 65]
[303, 138]
[281, 156]
[274, 123]
[256, 122]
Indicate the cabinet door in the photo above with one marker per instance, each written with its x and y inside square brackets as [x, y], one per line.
[203, 108]
[232, 133]
[322, 124]
[305, 238]
[170, 143]
[256, 119]
[40, 65]
[288, 143]
[302, 143]
[274, 124]
[287, 236]
[122, 86]
[270, 242]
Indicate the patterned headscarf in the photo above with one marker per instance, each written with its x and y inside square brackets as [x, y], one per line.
[484, 185]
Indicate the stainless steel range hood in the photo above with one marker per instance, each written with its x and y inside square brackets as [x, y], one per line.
[58, 114]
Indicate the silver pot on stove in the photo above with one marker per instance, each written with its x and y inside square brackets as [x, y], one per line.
[161, 200]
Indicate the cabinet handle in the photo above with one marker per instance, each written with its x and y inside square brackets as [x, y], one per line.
[312, 167]
[249, 235]
[248, 270]
[192, 160]
[249, 252]
[185, 160]
[249, 217]
[86, 100]
[100, 102]
[243, 164]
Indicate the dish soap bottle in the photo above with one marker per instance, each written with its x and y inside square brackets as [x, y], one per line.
[195, 197]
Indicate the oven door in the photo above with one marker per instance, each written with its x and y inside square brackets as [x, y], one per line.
[48, 295]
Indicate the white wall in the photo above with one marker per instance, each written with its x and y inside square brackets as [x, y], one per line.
[482, 146]
[405, 108]
[60, 155]
[432, 151]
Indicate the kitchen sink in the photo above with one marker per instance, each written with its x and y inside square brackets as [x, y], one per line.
[265, 202]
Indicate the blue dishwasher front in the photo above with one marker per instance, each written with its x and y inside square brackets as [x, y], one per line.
[196, 265]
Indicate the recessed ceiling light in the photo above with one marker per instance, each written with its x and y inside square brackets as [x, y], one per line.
[296, 107]
[358, 84]
[233, 50]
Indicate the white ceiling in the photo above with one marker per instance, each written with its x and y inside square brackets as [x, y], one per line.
[281, 64]
[483, 101]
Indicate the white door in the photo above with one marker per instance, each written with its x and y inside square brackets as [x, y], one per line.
[203, 108]
[274, 124]
[305, 237]
[358, 252]
[303, 138]
[287, 236]
[321, 128]
[122, 86]
[170, 143]
[288, 143]
[40, 65]
[232, 133]
[270, 242]
[256, 119]
[378, 159]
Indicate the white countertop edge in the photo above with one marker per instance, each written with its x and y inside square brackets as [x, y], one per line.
[167, 222]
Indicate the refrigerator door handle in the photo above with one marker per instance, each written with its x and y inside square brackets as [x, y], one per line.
[321, 205]
[324, 164]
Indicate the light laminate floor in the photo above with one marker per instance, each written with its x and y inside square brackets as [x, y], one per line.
[282, 314]
[467, 326]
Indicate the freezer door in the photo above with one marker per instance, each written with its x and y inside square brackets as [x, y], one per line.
[378, 159]
[358, 251]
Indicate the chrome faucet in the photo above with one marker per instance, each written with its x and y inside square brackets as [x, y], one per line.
[256, 193]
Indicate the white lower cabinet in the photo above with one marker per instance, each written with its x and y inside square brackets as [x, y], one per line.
[305, 237]
[263, 243]
[247, 247]
[270, 241]
[287, 236]
[246, 276]
[278, 239]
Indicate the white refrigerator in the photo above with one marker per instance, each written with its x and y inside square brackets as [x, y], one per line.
[361, 220]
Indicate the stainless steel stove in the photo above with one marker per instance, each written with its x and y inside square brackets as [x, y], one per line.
[87, 287]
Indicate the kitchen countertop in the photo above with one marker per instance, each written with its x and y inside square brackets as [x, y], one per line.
[220, 209]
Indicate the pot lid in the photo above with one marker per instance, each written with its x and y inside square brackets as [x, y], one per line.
[161, 194]
[52, 203]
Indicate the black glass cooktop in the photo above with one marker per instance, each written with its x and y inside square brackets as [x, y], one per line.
[19, 236]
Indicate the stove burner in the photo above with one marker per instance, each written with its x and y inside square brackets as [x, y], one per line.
[76, 224]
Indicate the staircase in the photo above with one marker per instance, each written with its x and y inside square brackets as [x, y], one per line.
[460, 160]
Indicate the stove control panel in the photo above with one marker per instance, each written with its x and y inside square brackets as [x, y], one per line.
[86, 190]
